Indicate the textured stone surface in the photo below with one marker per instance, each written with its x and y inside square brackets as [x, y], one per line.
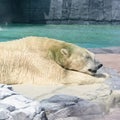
[114, 114]
[60, 11]
[14, 106]
[70, 118]
[106, 50]
[4, 114]
[81, 109]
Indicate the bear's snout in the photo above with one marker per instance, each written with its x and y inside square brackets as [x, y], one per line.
[95, 70]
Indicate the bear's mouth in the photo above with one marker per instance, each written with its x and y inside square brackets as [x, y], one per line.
[92, 71]
[89, 72]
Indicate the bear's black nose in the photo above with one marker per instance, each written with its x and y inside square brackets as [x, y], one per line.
[100, 65]
[93, 71]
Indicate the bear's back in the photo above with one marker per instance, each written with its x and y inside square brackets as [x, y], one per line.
[31, 43]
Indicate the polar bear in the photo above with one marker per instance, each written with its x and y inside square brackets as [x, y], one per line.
[41, 60]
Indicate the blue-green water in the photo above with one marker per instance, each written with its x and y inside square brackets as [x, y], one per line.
[89, 36]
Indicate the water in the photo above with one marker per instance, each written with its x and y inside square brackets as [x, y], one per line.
[1, 29]
[89, 36]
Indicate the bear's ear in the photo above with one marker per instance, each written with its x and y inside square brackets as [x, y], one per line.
[64, 52]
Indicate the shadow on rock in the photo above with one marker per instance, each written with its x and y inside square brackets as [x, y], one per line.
[65, 106]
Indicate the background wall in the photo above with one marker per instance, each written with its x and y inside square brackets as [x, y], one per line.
[60, 11]
[5, 11]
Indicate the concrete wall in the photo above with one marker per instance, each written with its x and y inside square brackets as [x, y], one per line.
[5, 11]
[60, 11]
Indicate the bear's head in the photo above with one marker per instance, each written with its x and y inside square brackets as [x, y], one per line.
[75, 58]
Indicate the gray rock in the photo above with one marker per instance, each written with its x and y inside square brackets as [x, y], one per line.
[8, 107]
[5, 93]
[80, 110]
[90, 108]
[4, 114]
[51, 107]
[69, 118]
[63, 98]
[2, 85]
[6, 86]
[41, 116]
[20, 116]
[14, 106]
[114, 79]
[29, 113]
[58, 102]
[18, 101]
[25, 113]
